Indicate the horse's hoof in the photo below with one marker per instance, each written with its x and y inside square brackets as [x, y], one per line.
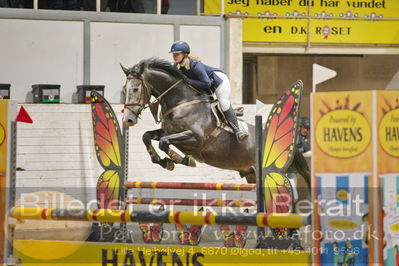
[189, 161]
[170, 165]
[167, 164]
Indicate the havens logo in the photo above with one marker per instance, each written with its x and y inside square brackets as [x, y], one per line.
[394, 227]
[343, 132]
[342, 194]
[388, 132]
[343, 224]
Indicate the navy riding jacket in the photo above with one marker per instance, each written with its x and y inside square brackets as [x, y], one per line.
[201, 76]
[302, 143]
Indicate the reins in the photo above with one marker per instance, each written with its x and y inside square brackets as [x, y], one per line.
[165, 92]
[157, 100]
[150, 103]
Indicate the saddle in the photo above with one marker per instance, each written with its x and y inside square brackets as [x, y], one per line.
[221, 121]
[216, 111]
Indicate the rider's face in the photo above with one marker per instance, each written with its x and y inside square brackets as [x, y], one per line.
[304, 130]
[178, 57]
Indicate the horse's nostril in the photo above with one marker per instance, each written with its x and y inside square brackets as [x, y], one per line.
[130, 120]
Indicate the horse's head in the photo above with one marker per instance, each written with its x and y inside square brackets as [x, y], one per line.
[150, 77]
[137, 95]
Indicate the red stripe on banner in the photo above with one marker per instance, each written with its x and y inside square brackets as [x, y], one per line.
[94, 216]
[176, 217]
[44, 216]
[123, 216]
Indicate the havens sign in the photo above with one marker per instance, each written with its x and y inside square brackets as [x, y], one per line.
[343, 133]
[389, 132]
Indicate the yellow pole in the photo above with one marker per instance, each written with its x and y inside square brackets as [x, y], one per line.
[178, 217]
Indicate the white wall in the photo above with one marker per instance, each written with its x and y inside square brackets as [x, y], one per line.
[128, 43]
[204, 42]
[35, 52]
[124, 43]
[52, 52]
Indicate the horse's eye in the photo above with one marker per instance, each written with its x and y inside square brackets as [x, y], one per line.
[135, 89]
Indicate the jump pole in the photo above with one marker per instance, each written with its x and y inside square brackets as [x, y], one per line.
[199, 186]
[191, 202]
[175, 217]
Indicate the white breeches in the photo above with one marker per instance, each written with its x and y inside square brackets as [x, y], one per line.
[223, 91]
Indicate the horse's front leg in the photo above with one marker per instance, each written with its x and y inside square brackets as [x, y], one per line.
[182, 138]
[155, 158]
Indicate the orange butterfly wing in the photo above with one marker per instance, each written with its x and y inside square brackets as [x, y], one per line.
[145, 229]
[189, 235]
[279, 143]
[236, 238]
[195, 232]
[157, 231]
[152, 233]
[182, 233]
[107, 140]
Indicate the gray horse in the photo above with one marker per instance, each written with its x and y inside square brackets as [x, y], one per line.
[188, 122]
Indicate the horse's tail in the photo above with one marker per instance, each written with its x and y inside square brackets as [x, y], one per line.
[300, 164]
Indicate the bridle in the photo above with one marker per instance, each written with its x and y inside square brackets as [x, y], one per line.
[146, 92]
[143, 94]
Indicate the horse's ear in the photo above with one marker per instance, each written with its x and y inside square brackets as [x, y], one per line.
[139, 69]
[125, 70]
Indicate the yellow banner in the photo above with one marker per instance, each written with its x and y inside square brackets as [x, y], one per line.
[387, 111]
[388, 131]
[342, 153]
[342, 133]
[3, 136]
[59, 253]
[3, 169]
[321, 30]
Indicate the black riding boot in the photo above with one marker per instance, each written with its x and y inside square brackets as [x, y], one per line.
[232, 119]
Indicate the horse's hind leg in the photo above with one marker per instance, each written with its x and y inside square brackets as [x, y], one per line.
[155, 158]
[186, 160]
[185, 137]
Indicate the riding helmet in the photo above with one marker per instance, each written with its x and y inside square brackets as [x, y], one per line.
[305, 122]
[180, 47]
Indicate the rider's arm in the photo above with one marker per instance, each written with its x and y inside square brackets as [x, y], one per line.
[301, 144]
[201, 80]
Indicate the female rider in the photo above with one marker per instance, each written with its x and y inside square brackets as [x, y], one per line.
[207, 78]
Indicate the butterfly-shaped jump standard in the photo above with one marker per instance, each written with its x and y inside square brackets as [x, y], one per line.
[107, 140]
[152, 233]
[236, 238]
[108, 143]
[189, 234]
[279, 150]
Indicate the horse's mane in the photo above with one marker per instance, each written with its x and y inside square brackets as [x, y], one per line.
[161, 65]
